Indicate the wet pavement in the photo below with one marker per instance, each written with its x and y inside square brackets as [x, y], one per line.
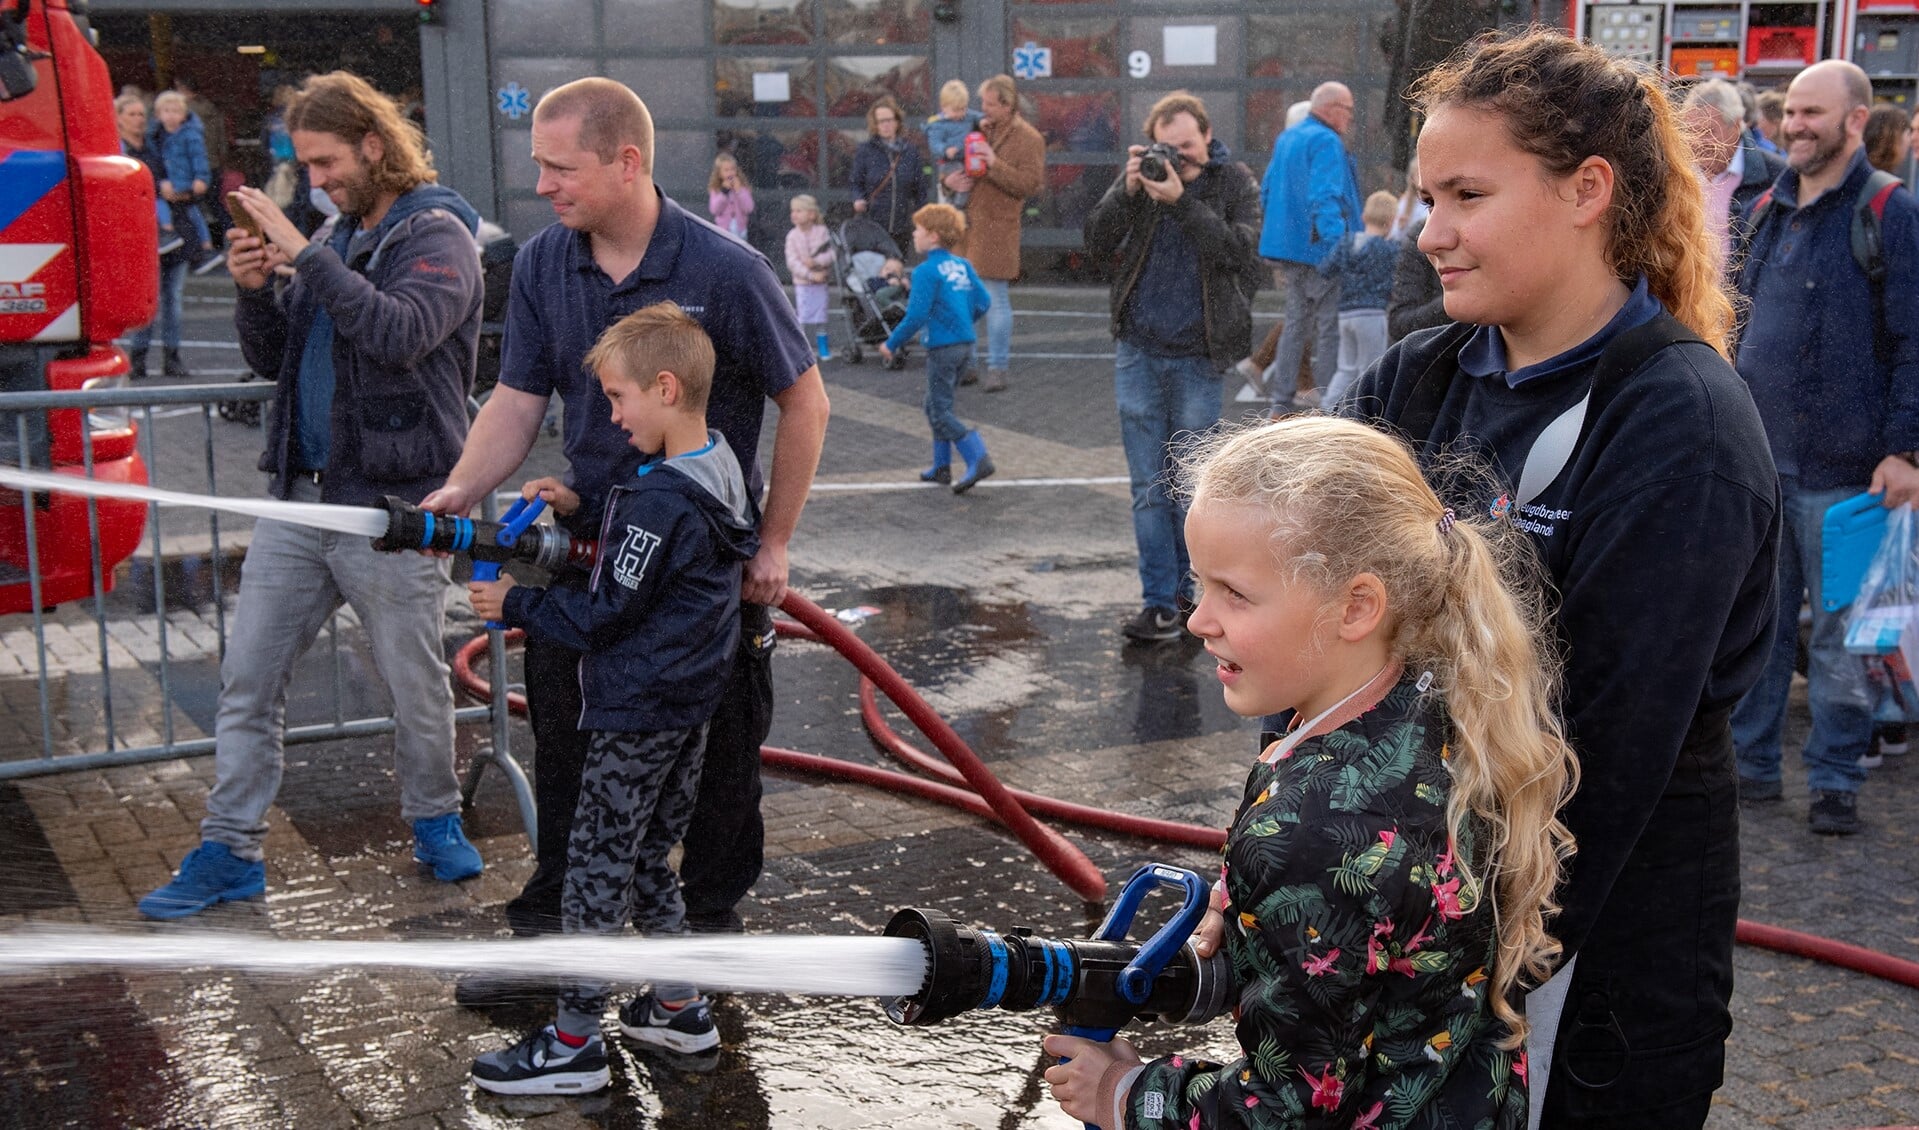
[1001, 606]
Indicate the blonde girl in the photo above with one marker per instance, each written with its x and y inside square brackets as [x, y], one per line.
[809, 257]
[1388, 876]
[728, 197]
[1587, 365]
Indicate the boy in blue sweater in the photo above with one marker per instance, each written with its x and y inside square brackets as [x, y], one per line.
[947, 299]
[658, 623]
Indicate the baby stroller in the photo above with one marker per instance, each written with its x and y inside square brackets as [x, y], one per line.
[860, 250]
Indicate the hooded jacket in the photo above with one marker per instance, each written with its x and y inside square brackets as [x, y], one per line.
[1219, 213]
[659, 619]
[406, 318]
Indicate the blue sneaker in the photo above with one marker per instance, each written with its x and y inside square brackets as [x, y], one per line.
[440, 842]
[210, 873]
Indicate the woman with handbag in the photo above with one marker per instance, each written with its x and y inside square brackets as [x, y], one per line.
[888, 173]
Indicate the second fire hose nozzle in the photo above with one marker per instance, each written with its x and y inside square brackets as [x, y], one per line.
[516, 538]
[1096, 984]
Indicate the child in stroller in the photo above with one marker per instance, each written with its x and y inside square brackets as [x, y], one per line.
[874, 302]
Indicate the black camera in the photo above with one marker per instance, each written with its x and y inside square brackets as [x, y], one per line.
[1159, 161]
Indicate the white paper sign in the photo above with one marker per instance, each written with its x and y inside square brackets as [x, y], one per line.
[1192, 46]
[774, 87]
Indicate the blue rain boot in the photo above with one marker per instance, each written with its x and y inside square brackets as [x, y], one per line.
[440, 842]
[210, 873]
[941, 471]
[978, 464]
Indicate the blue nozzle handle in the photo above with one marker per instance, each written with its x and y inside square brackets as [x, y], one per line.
[522, 514]
[518, 517]
[1136, 980]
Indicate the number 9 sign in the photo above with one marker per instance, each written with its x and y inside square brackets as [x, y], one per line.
[1139, 64]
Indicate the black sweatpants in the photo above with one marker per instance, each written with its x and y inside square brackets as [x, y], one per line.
[724, 844]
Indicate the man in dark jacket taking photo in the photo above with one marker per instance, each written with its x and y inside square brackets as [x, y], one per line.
[1183, 222]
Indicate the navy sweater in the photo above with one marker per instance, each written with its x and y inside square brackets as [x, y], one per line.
[1660, 539]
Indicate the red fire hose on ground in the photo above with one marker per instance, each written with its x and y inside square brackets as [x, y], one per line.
[984, 795]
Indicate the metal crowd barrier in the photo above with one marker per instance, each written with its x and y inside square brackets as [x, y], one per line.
[25, 408]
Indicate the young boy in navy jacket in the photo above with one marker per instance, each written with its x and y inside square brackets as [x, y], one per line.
[657, 623]
[946, 299]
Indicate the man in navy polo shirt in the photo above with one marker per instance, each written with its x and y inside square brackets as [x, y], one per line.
[621, 244]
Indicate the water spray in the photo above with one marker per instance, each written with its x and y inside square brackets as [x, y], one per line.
[364, 520]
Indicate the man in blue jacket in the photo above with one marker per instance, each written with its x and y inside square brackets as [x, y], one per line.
[1833, 362]
[372, 344]
[1311, 200]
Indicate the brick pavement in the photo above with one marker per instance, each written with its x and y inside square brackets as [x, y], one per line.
[1001, 605]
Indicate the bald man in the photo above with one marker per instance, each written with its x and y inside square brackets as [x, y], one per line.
[1310, 198]
[1836, 381]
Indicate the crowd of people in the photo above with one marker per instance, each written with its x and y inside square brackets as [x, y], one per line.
[1515, 608]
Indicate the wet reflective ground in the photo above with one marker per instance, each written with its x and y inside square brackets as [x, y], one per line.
[1002, 606]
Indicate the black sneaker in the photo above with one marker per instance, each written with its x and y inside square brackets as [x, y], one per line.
[1153, 625]
[542, 1065]
[687, 1029]
[1754, 791]
[1835, 813]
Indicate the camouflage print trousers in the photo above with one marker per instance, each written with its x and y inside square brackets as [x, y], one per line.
[636, 797]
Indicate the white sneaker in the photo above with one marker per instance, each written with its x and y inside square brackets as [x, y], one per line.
[1306, 400]
[1249, 393]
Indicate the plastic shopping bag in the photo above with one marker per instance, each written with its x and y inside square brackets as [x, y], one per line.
[1885, 614]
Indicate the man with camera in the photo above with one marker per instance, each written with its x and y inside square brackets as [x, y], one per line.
[1182, 225]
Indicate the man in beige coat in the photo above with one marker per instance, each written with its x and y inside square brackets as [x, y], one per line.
[1015, 165]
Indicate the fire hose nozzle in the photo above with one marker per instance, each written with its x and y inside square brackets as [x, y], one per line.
[1097, 985]
[516, 538]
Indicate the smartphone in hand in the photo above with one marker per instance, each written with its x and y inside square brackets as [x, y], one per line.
[242, 218]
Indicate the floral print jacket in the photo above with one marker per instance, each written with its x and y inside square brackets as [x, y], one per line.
[1361, 955]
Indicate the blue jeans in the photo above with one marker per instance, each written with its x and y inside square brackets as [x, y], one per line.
[1835, 680]
[173, 284]
[943, 367]
[291, 581]
[1163, 401]
[999, 324]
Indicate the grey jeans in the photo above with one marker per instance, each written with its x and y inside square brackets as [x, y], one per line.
[292, 580]
[1312, 320]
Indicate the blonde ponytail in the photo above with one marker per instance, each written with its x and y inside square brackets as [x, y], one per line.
[1466, 605]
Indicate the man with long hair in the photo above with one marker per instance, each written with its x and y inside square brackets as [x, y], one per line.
[371, 341]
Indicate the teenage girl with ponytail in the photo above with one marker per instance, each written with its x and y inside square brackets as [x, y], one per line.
[1389, 874]
[1588, 366]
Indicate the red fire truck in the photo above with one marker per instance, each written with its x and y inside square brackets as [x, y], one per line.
[79, 265]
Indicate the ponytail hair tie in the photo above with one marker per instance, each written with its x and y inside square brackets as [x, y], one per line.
[1446, 521]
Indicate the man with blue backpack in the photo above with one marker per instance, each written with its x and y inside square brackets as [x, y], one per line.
[1834, 250]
